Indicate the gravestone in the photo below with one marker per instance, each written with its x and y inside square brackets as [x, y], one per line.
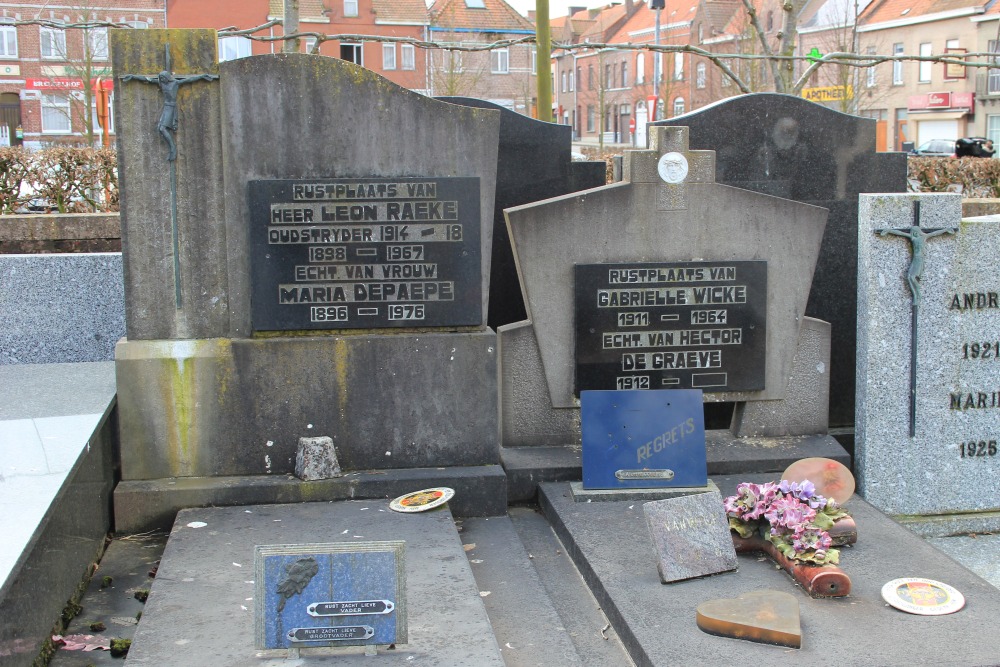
[789, 147]
[690, 536]
[533, 163]
[943, 349]
[667, 280]
[315, 262]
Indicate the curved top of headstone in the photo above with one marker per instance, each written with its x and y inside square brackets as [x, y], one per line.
[790, 147]
[303, 116]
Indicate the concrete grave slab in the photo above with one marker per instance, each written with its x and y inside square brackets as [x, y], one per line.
[657, 623]
[206, 577]
[690, 535]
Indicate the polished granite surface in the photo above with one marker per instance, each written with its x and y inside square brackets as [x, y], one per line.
[48, 414]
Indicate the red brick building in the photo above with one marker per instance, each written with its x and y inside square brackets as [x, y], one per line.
[48, 75]
[403, 64]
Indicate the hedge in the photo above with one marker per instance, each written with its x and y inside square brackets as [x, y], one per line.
[59, 180]
[974, 178]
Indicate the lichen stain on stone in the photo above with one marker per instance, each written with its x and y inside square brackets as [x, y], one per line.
[341, 365]
[180, 398]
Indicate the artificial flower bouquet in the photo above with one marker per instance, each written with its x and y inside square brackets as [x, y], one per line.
[791, 516]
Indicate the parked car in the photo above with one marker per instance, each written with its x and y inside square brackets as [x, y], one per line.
[936, 148]
[974, 147]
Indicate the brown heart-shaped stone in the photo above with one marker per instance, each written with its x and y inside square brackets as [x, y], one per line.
[769, 617]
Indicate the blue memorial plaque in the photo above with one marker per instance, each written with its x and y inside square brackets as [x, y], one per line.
[643, 439]
[311, 595]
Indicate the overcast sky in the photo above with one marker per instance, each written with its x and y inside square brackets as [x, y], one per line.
[556, 7]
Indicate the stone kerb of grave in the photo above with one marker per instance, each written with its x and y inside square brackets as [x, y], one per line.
[668, 209]
[216, 378]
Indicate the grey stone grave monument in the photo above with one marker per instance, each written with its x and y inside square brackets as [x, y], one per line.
[789, 147]
[703, 286]
[928, 330]
[314, 262]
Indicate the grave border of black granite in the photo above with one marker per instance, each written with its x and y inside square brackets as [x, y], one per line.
[152, 504]
[70, 537]
[645, 613]
[521, 144]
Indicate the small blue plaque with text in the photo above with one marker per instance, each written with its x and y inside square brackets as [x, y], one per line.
[643, 439]
[314, 595]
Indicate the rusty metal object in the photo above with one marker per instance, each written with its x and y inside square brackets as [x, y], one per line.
[768, 617]
[827, 581]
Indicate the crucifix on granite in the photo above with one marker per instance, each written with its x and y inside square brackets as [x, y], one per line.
[167, 126]
[918, 244]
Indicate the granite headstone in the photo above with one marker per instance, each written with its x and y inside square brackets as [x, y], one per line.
[948, 464]
[533, 163]
[691, 536]
[792, 148]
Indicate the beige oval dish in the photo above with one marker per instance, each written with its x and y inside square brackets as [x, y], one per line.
[831, 478]
[421, 501]
[924, 597]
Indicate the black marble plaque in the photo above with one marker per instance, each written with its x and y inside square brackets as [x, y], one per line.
[677, 325]
[365, 253]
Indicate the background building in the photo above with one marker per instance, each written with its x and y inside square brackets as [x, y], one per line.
[48, 75]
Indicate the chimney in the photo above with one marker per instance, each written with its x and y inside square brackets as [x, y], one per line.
[629, 7]
[574, 10]
[531, 15]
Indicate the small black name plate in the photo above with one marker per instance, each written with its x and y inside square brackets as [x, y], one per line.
[365, 253]
[683, 325]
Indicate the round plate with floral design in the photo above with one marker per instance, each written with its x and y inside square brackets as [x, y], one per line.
[421, 501]
[925, 597]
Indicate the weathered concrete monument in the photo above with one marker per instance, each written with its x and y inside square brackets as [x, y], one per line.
[299, 268]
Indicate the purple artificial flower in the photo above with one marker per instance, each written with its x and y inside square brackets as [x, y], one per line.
[750, 501]
[811, 537]
[804, 491]
[788, 512]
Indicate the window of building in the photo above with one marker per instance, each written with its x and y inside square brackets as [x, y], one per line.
[500, 61]
[700, 75]
[870, 76]
[607, 118]
[388, 56]
[453, 62]
[640, 68]
[350, 8]
[475, 4]
[408, 54]
[231, 48]
[97, 43]
[679, 106]
[952, 72]
[624, 74]
[609, 81]
[8, 41]
[534, 63]
[353, 53]
[770, 21]
[897, 65]
[565, 82]
[590, 77]
[309, 44]
[572, 81]
[137, 25]
[993, 75]
[678, 66]
[590, 118]
[55, 113]
[53, 43]
[993, 128]
[926, 67]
